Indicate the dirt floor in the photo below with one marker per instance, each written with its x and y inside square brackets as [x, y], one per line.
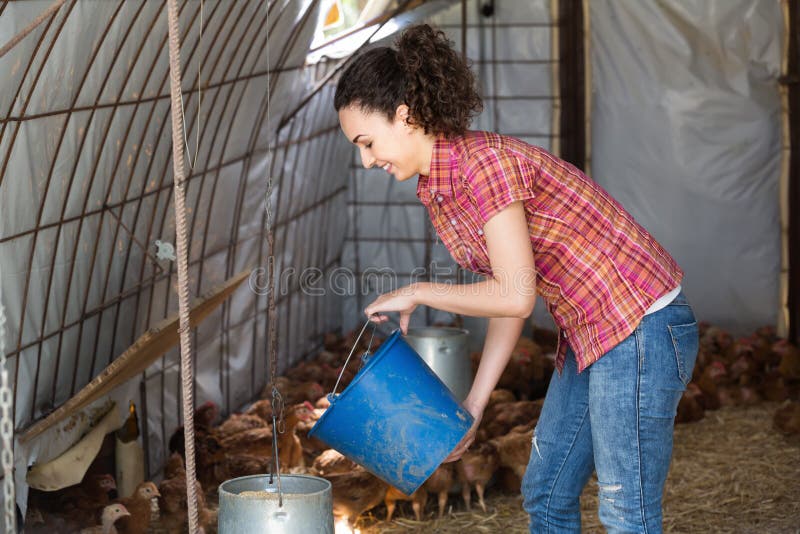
[731, 473]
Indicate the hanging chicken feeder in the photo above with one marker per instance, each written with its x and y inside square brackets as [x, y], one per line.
[254, 505]
[445, 349]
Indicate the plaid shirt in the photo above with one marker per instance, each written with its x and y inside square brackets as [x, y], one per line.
[597, 269]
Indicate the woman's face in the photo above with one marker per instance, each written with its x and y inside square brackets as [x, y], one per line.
[395, 146]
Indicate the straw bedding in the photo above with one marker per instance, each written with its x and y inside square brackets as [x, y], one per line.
[731, 473]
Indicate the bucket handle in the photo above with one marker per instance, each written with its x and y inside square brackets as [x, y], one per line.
[332, 395]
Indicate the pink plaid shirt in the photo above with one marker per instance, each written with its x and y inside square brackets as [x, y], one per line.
[597, 269]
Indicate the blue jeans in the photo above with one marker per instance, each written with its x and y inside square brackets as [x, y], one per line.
[616, 417]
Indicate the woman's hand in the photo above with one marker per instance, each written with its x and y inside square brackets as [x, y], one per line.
[403, 300]
[469, 437]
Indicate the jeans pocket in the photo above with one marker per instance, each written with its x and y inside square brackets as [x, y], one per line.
[686, 341]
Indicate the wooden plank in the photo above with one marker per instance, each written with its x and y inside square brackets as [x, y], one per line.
[138, 357]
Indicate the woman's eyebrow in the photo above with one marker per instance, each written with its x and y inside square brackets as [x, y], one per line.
[355, 139]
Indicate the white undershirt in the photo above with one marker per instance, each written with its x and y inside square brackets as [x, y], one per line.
[663, 301]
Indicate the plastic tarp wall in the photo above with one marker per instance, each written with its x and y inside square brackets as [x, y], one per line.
[86, 189]
[390, 240]
[686, 134]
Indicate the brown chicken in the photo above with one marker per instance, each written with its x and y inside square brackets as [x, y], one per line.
[262, 408]
[81, 503]
[789, 354]
[356, 492]
[787, 418]
[708, 382]
[258, 441]
[238, 422]
[500, 395]
[504, 416]
[294, 392]
[440, 483]
[475, 468]
[110, 515]
[241, 465]
[418, 500]
[514, 450]
[172, 502]
[332, 462]
[208, 451]
[312, 446]
[690, 407]
[139, 508]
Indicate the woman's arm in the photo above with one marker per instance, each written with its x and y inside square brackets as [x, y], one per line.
[510, 292]
[501, 337]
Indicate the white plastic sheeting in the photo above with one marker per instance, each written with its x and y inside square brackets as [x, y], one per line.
[85, 141]
[686, 134]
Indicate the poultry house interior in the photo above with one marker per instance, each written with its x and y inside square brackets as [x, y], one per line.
[188, 245]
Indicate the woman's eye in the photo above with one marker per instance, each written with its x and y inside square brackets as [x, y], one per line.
[368, 145]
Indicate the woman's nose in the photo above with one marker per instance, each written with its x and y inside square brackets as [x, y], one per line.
[367, 159]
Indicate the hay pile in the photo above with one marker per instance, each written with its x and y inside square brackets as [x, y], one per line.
[731, 473]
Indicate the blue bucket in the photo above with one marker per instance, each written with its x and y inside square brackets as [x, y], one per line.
[397, 419]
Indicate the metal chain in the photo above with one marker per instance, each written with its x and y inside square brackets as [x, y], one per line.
[6, 429]
[278, 423]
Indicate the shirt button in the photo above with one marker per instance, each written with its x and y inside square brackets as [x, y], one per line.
[453, 222]
[439, 198]
[480, 232]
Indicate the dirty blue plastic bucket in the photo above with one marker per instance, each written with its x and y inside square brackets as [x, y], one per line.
[397, 419]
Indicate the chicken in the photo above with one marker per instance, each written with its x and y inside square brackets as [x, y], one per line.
[500, 395]
[261, 408]
[690, 407]
[514, 450]
[82, 503]
[708, 382]
[475, 468]
[527, 371]
[773, 386]
[418, 500]
[356, 492]
[503, 416]
[787, 418]
[236, 423]
[440, 483]
[172, 501]
[258, 441]
[312, 446]
[332, 462]
[111, 513]
[208, 450]
[139, 509]
[789, 365]
[241, 465]
[294, 392]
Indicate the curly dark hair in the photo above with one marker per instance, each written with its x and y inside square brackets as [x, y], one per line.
[425, 73]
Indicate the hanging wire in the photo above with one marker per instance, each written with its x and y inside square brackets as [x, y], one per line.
[193, 162]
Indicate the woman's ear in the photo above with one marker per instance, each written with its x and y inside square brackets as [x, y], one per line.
[401, 114]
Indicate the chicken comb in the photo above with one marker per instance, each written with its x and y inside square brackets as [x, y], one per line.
[309, 406]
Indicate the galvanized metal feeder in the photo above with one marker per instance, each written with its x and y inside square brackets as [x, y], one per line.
[254, 505]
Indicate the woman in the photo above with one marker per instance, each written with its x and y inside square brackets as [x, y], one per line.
[531, 223]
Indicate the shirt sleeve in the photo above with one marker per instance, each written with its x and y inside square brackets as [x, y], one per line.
[494, 178]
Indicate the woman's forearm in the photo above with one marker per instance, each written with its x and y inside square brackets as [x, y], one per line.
[489, 298]
[501, 338]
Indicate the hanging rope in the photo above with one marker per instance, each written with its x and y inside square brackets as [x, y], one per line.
[6, 427]
[187, 377]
